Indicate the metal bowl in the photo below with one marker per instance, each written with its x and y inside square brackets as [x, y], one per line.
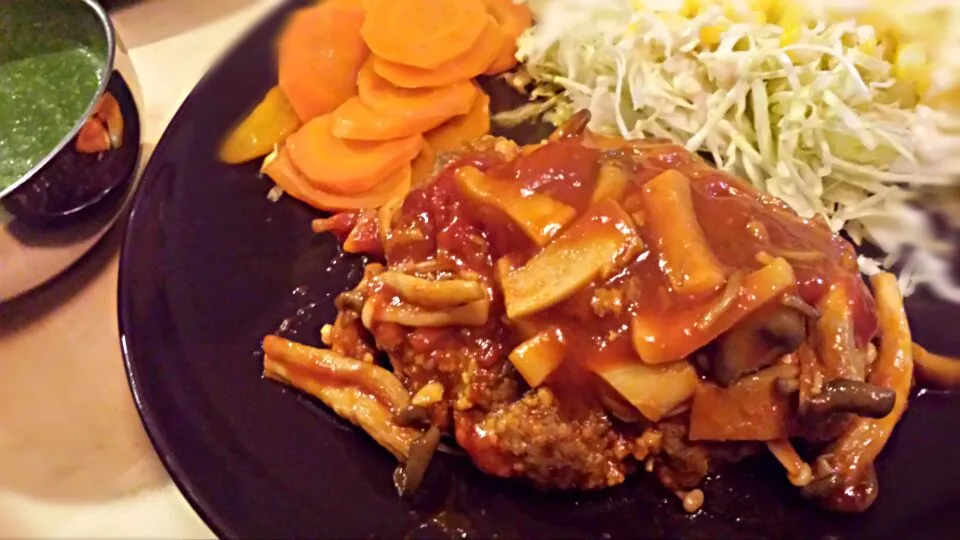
[96, 11]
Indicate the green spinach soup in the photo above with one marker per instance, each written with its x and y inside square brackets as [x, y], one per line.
[52, 55]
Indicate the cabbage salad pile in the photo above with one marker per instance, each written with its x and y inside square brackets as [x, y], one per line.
[850, 113]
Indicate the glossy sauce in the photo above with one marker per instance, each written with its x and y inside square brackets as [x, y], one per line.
[739, 223]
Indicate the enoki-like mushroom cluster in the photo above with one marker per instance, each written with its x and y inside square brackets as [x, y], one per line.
[573, 310]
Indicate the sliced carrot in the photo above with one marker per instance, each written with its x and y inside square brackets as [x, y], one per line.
[355, 121]
[422, 33]
[514, 20]
[320, 53]
[465, 66]
[282, 170]
[268, 125]
[346, 167]
[385, 97]
[423, 164]
[462, 129]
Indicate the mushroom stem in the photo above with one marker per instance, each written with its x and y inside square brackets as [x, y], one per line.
[860, 398]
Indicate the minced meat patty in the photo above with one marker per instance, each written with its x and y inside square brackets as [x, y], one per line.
[551, 445]
[554, 439]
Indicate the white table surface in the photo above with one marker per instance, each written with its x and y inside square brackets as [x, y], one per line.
[74, 459]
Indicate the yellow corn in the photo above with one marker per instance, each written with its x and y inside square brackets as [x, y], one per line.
[712, 35]
[771, 9]
[793, 20]
[791, 35]
[948, 99]
[868, 46]
[901, 93]
[691, 8]
[912, 66]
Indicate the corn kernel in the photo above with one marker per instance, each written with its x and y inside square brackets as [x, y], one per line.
[712, 35]
[948, 99]
[912, 66]
[771, 9]
[901, 93]
[791, 35]
[879, 20]
[691, 8]
[868, 46]
[792, 14]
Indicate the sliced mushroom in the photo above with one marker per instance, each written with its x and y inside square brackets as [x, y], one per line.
[292, 362]
[434, 293]
[857, 397]
[472, 314]
[539, 216]
[352, 300]
[612, 181]
[822, 487]
[573, 127]
[539, 356]
[411, 415]
[766, 336]
[410, 475]
[655, 391]
[596, 245]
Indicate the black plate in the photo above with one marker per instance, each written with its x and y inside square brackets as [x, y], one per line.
[209, 266]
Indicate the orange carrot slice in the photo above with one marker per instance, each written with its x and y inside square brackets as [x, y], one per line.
[514, 20]
[346, 167]
[282, 170]
[465, 66]
[423, 165]
[320, 53]
[384, 97]
[354, 120]
[422, 33]
[462, 129]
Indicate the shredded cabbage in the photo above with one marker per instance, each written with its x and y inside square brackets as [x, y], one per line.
[816, 118]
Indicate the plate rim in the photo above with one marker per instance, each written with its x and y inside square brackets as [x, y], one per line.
[158, 439]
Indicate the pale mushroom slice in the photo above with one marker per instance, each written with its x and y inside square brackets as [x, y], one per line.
[539, 356]
[539, 216]
[596, 245]
[653, 390]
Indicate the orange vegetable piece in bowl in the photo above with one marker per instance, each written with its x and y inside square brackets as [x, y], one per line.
[462, 129]
[281, 169]
[347, 167]
[320, 53]
[422, 33]
[473, 62]
[268, 125]
[514, 19]
[103, 131]
[385, 97]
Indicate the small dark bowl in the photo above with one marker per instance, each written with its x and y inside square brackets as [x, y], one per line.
[65, 182]
[72, 183]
